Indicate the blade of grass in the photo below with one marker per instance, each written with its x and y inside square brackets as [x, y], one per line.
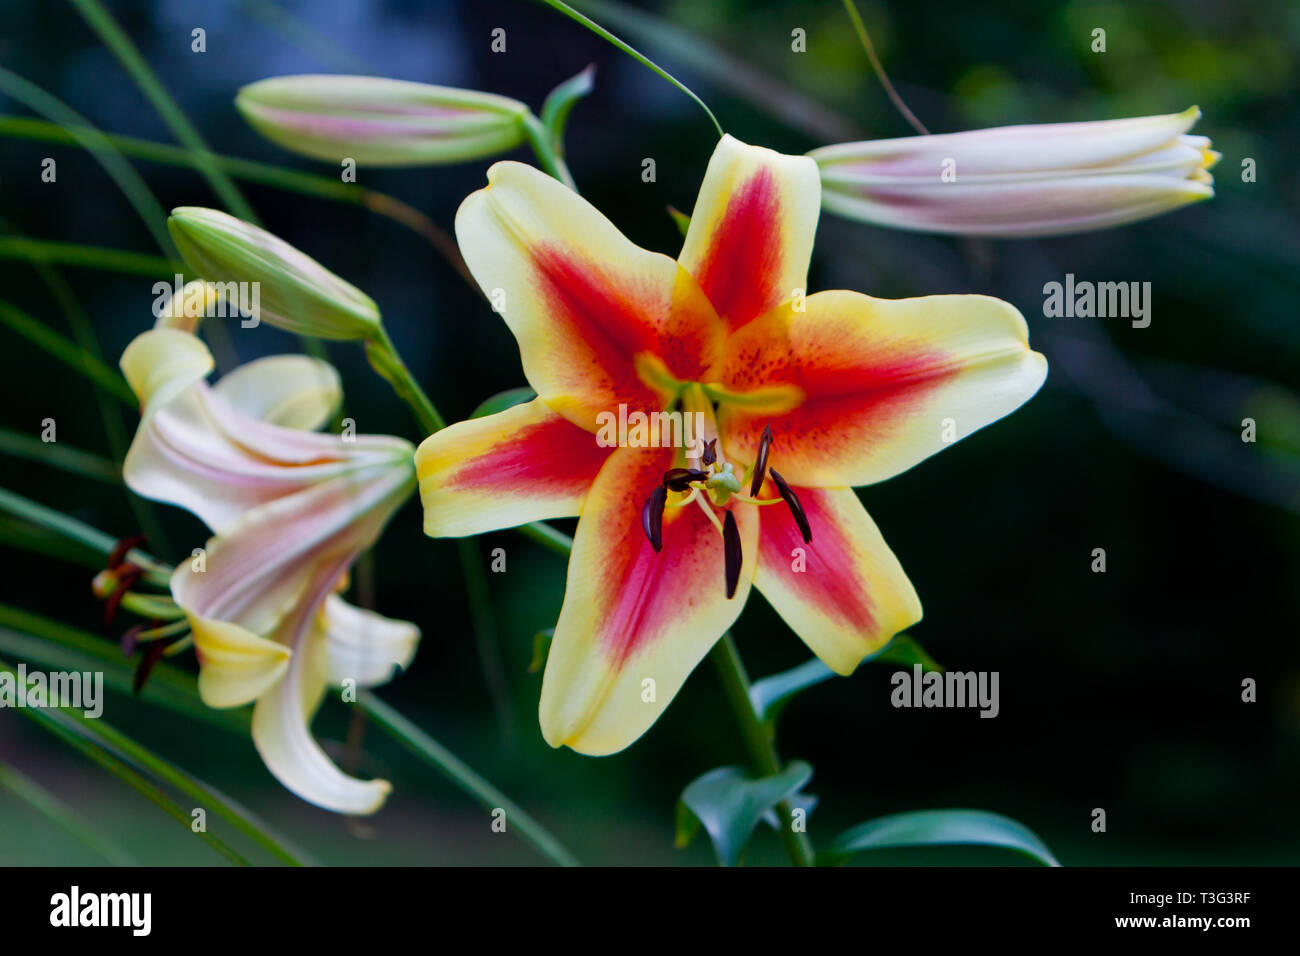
[641, 58]
[115, 38]
[59, 723]
[464, 777]
[267, 174]
[59, 455]
[91, 257]
[118, 169]
[59, 813]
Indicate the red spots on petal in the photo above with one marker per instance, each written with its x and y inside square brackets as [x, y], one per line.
[743, 262]
[831, 581]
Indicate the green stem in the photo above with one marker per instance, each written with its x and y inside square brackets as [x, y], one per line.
[641, 58]
[92, 257]
[57, 721]
[69, 353]
[58, 812]
[267, 174]
[865, 39]
[758, 740]
[464, 777]
[59, 455]
[115, 38]
[545, 148]
[118, 169]
[386, 361]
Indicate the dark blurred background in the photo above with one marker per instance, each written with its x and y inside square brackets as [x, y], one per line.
[1119, 690]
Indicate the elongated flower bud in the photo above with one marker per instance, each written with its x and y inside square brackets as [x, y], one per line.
[1039, 180]
[275, 282]
[381, 122]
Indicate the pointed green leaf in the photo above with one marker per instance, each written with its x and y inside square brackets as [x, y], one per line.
[555, 111]
[503, 400]
[771, 694]
[729, 804]
[937, 828]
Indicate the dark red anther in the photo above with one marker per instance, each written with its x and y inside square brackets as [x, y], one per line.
[679, 479]
[122, 549]
[731, 553]
[130, 640]
[792, 502]
[710, 454]
[652, 517]
[153, 653]
[760, 466]
[128, 577]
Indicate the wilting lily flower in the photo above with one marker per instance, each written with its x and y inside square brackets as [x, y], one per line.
[799, 397]
[380, 122]
[291, 510]
[1039, 180]
[291, 290]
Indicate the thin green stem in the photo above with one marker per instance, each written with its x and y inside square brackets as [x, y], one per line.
[69, 353]
[267, 174]
[892, 93]
[641, 58]
[69, 527]
[115, 38]
[91, 257]
[486, 637]
[385, 360]
[118, 169]
[57, 721]
[54, 809]
[549, 538]
[545, 148]
[758, 740]
[464, 777]
[60, 455]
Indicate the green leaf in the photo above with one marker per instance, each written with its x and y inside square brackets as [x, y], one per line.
[541, 647]
[729, 804]
[771, 694]
[680, 218]
[59, 813]
[503, 400]
[937, 828]
[67, 352]
[59, 455]
[555, 111]
[904, 649]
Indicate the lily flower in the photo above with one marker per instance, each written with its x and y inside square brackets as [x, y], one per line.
[381, 122]
[1037, 180]
[803, 396]
[291, 510]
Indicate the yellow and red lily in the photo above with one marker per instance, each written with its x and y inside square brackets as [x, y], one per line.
[803, 395]
[291, 510]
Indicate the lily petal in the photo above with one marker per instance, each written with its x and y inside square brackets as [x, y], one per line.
[363, 646]
[282, 718]
[884, 383]
[161, 364]
[635, 623]
[236, 666]
[599, 321]
[751, 234]
[524, 464]
[844, 593]
[292, 391]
